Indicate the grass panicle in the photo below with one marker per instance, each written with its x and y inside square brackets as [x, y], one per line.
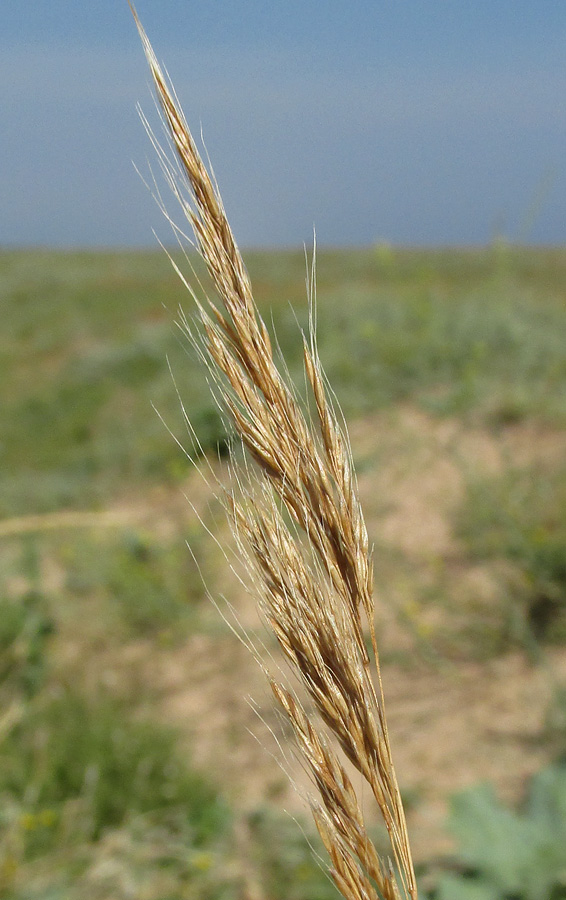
[301, 527]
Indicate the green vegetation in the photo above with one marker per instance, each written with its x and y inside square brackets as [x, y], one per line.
[85, 338]
[98, 798]
[518, 521]
[85, 345]
[69, 751]
[284, 859]
[509, 855]
[153, 586]
[24, 629]
[95, 802]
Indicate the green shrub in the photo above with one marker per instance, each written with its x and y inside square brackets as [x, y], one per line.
[508, 855]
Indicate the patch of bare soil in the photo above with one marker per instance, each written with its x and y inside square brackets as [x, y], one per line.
[470, 723]
[450, 728]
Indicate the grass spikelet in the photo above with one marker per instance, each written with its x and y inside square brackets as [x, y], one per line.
[300, 525]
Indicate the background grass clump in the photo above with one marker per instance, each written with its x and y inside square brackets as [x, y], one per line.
[96, 803]
[150, 588]
[24, 630]
[109, 766]
[517, 521]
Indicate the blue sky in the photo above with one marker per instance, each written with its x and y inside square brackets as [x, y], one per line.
[410, 121]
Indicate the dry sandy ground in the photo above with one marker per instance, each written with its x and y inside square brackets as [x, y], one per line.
[454, 719]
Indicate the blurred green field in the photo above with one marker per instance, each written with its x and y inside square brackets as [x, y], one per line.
[450, 365]
[85, 338]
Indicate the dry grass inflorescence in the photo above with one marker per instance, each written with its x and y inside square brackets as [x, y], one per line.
[297, 518]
